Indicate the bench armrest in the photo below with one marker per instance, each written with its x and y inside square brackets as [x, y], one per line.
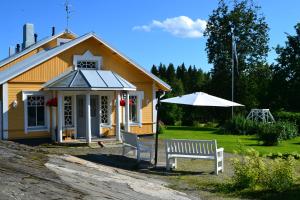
[220, 150]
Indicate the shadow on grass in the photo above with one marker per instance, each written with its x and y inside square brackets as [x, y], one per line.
[190, 128]
[131, 164]
[229, 191]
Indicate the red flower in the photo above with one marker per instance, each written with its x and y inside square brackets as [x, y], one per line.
[123, 102]
[52, 102]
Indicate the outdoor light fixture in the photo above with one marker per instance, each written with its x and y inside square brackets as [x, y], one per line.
[15, 103]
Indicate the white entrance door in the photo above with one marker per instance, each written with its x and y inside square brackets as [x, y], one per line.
[95, 116]
[81, 116]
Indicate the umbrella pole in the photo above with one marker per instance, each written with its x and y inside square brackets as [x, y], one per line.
[158, 94]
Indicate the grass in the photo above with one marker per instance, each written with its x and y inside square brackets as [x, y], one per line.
[200, 182]
[229, 142]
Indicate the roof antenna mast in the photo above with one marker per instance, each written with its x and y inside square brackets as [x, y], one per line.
[68, 12]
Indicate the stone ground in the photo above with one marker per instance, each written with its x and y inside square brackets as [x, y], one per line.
[64, 172]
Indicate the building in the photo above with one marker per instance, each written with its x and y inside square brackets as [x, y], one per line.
[72, 88]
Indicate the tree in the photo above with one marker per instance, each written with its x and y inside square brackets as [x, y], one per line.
[154, 70]
[285, 87]
[251, 36]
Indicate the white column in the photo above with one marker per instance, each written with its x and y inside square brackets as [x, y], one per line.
[118, 130]
[5, 111]
[59, 117]
[74, 114]
[127, 127]
[88, 118]
[53, 109]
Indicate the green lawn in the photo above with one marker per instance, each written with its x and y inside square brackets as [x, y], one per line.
[229, 142]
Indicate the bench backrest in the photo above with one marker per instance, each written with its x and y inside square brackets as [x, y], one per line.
[191, 147]
[129, 138]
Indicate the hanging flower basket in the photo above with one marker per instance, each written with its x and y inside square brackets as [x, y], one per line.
[123, 102]
[52, 102]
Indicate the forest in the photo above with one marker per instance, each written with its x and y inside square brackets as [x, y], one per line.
[258, 83]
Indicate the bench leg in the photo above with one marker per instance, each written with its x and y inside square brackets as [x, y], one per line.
[175, 163]
[216, 167]
[222, 162]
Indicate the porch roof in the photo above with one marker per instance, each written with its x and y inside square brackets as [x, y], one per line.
[90, 80]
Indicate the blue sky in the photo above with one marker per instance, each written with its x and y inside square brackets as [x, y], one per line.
[129, 27]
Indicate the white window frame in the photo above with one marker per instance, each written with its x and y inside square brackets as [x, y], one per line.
[46, 127]
[87, 56]
[62, 40]
[73, 110]
[140, 98]
[109, 111]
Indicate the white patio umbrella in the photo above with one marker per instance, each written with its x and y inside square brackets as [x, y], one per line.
[201, 99]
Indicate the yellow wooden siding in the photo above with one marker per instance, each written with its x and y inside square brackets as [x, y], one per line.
[34, 78]
[16, 115]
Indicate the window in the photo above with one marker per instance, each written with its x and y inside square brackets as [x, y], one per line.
[68, 114]
[133, 109]
[35, 111]
[84, 64]
[104, 110]
[87, 61]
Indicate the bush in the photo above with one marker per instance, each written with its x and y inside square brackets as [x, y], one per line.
[269, 133]
[161, 127]
[273, 133]
[293, 117]
[281, 174]
[295, 155]
[254, 172]
[239, 125]
[248, 170]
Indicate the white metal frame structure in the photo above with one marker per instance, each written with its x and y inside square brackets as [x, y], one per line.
[263, 115]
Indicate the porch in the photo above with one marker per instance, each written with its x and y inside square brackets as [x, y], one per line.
[88, 106]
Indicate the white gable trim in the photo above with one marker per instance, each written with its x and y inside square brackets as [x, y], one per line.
[75, 42]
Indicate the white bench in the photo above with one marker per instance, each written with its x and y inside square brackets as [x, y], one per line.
[194, 149]
[132, 142]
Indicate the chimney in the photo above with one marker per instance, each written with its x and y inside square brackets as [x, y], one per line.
[28, 35]
[35, 37]
[11, 51]
[18, 48]
[53, 30]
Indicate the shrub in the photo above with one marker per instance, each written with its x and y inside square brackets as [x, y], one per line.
[269, 133]
[273, 133]
[241, 126]
[248, 170]
[293, 117]
[295, 155]
[254, 172]
[281, 174]
[161, 127]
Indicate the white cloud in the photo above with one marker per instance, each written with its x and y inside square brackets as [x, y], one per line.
[181, 26]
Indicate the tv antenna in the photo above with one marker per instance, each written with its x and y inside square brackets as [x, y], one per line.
[68, 12]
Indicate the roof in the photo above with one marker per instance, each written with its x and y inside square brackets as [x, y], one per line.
[30, 48]
[90, 80]
[40, 57]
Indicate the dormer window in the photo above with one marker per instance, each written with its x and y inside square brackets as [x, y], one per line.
[87, 61]
[61, 41]
[85, 64]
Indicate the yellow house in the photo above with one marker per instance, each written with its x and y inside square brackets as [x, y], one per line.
[70, 87]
